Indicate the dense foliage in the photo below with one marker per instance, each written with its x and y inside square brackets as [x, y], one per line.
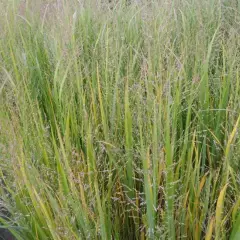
[120, 120]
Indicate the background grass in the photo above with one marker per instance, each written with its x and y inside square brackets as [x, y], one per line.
[120, 120]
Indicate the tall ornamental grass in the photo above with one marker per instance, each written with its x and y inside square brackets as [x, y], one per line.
[120, 119]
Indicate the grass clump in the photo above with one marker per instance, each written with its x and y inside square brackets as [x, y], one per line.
[120, 120]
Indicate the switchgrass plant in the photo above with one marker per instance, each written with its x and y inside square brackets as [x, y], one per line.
[120, 120]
